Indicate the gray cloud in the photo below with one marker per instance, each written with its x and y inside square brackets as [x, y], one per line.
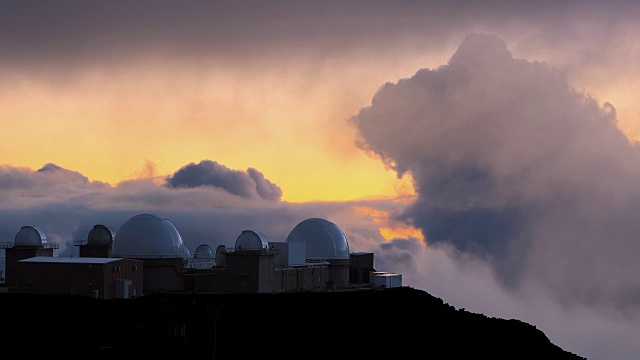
[513, 165]
[60, 174]
[61, 35]
[66, 205]
[465, 281]
[249, 184]
[206, 216]
[265, 188]
[23, 187]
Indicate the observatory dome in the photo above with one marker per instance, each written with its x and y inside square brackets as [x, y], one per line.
[324, 239]
[252, 240]
[148, 236]
[101, 234]
[203, 251]
[30, 236]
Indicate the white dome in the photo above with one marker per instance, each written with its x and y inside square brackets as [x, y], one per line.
[203, 251]
[148, 236]
[101, 234]
[30, 236]
[324, 239]
[251, 240]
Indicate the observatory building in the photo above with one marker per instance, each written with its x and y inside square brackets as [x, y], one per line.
[99, 242]
[29, 242]
[324, 243]
[157, 242]
[147, 255]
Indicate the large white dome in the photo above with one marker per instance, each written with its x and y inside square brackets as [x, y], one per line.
[324, 239]
[148, 236]
[30, 236]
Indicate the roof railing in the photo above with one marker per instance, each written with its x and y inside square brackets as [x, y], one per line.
[48, 245]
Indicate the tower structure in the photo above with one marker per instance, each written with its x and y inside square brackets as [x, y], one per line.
[99, 242]
[29, 242]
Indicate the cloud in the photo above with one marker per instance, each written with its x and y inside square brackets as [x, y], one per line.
[515, 167]
[66, 205]
[249, 184]
[464, 281]
[39, 37]
[20, 187]
[265, 188]
[205, 215]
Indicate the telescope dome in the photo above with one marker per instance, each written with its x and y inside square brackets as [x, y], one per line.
[203, 251]
[324, 239]
[101, 234]
[30, 236]
[252, 240]
[148, 236]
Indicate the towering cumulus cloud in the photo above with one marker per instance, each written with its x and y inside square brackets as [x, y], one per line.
[249, 184]
[514, 166]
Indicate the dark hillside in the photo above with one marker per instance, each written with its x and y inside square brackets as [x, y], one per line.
[399, 323]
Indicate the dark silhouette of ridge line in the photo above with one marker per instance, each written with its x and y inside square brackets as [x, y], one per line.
[368, 323]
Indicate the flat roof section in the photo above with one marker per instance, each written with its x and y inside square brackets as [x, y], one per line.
[69, 260]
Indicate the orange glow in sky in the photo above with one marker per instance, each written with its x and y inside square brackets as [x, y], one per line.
[395, 229]
[401, 232]
[290, 123]
[287, 119]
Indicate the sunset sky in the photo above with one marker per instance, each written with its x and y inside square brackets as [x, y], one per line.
[485, 150]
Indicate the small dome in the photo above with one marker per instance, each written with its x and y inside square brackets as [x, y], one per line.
[148, 236]
[324, 239]
[30, 236]
[203, 251]
[101, 234]
[252, 240]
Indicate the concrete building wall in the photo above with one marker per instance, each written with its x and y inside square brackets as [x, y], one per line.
[288, 254]
[300, 278]
[15, 254]
[99, 251]
[249, 271]
[361, 264]
[87, 279]
[339, 272]
[204, 280]
[163, 274]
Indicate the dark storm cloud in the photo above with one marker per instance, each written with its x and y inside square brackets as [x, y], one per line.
[249, 184]
[513, 165]
[37, 34]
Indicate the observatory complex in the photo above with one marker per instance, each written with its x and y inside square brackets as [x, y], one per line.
[147, 255]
